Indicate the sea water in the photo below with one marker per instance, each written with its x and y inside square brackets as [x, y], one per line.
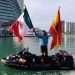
[9, 46]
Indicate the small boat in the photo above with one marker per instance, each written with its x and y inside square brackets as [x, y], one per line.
[28, 61]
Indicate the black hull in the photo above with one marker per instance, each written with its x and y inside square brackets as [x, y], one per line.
[37, 66]
[27, 61]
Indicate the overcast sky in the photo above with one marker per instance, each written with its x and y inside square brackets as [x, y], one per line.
[42, 12]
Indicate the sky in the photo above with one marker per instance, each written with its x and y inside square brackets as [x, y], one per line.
[42, 12]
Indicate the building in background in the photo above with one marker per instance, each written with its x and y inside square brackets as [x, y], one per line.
[68, 27]
[10, 10]
[21, 4]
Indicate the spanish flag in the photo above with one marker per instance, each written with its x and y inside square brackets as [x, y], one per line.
[56, 31]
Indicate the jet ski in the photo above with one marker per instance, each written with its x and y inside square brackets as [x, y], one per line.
[62, 60]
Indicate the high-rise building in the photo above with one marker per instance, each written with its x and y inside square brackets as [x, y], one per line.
[21, 4]
[68, 27]
[10, 10]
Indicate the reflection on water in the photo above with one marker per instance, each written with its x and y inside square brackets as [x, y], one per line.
[68, 43]
[8, 46]
[10, 71]
[49, 72]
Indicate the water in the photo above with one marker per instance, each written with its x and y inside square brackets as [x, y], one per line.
[9, 46]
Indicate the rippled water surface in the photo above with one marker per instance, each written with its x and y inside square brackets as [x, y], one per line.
[8, 46]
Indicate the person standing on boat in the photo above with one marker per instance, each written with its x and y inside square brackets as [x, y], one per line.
[43, 37]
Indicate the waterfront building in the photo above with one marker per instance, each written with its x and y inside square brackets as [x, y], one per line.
[68, 27]
[10, 10]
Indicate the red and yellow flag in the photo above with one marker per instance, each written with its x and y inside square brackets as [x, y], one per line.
[56, 31]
